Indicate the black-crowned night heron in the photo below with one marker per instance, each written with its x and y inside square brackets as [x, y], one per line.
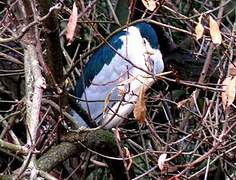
[115, 72]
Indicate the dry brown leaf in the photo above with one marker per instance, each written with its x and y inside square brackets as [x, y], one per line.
[232, 69]
[140, 107]
[199, 29]
[106, 102]
[128, 156]
[121, 87]
[72, 24]
[228, 95]
[161, 161]
[149, 4]
[215, 31]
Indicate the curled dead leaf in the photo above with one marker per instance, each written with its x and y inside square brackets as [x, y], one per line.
[228, 95]
[140, 106]
[72, 24]
[161, 161]
[149, 4]
[127, 155]
[106, 102]
[215, 31]
[199, 29]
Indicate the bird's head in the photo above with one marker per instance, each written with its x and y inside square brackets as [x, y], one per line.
[153, 57]
[151, 47]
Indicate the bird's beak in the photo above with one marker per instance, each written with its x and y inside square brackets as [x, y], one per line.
[149, 52]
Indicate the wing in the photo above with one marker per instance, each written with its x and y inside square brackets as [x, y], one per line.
[97, 61]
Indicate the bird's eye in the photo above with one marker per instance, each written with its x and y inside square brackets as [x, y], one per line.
[144, 41]
[147, 47]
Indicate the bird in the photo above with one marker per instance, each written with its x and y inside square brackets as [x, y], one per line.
[109, 79]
